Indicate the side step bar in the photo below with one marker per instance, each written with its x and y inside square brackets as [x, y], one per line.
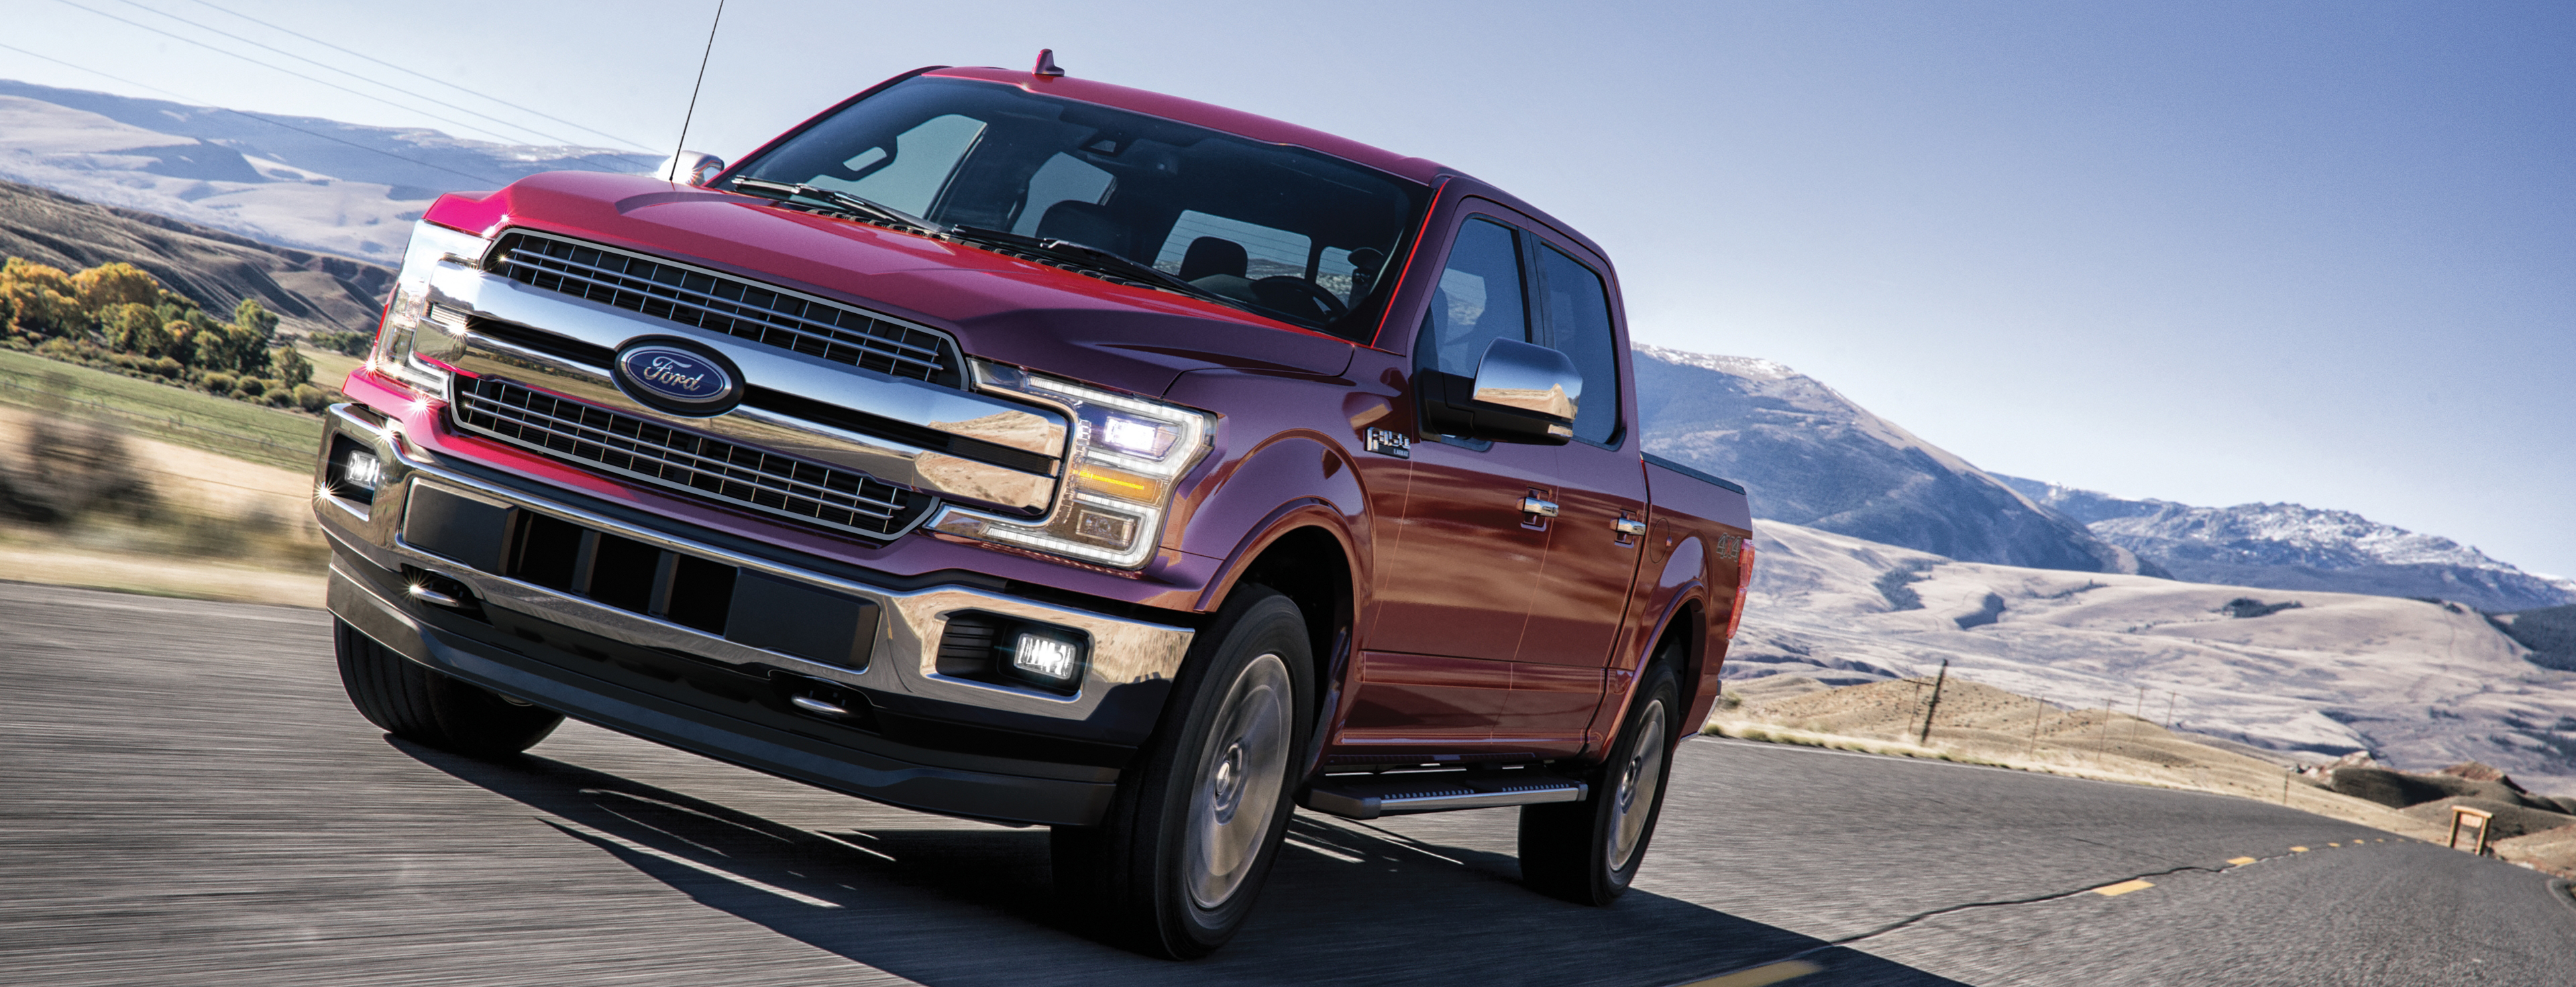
[1371, 796]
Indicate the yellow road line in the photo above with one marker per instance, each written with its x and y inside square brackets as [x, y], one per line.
[1768, 973]
[2124, 887]
[2240, 861]
[2298, 849]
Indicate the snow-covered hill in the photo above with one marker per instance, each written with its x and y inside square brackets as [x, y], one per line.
[2311, 675]
[2289, 546]
[1810, 456]
[291, 181]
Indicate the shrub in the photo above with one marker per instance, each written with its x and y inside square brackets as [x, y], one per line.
[280, 397]
[251, 386]
[311, 398]
[219, 382]
[343, 343]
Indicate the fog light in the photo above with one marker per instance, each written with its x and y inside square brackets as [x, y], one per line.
[363, 471]
[355, 471]
[1046, 658]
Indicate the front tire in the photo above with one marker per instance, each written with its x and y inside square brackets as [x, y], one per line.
[1588, 852]
[421, 705]
[1174, 866]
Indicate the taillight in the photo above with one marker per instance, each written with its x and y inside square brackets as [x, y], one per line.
[1743, 585]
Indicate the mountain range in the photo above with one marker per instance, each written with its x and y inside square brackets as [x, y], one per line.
[299, 182]
[1812, 457]
[309, 291]
[2292, 547]
[2304, 677]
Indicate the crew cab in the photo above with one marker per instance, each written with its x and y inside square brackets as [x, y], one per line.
[1027, 448]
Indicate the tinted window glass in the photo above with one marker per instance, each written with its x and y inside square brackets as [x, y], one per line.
[1477, 301]
[1313, 234]
[911, 177]
[1578, 321]
[1064, 178]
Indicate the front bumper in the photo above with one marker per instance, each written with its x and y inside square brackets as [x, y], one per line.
[913, 736]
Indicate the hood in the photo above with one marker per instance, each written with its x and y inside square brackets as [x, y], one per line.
[999, 308]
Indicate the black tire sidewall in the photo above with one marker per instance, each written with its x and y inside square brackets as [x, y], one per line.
[1659, 686]
[1257, 621]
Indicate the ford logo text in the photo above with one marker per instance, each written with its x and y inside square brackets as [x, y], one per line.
[682, 380]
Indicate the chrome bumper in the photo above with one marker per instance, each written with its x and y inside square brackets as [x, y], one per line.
[1126, 655]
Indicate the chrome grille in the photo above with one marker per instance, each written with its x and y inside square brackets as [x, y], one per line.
[725, 304]
[634, 447]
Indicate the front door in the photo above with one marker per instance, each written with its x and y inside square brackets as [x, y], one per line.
[1454, 587]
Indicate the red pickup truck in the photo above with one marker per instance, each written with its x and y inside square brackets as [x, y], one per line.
[1037, 450]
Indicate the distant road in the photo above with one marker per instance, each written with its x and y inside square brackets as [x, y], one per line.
[186, 798]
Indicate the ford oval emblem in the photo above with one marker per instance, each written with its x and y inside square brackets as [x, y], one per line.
[677, 378]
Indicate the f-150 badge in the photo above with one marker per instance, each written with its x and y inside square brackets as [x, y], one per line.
[1387, 443]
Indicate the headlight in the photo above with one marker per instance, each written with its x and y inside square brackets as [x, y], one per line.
[414, 322]
[1128, 453]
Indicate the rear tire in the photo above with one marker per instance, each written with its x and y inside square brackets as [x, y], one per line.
[421, 705]
[1588, 852]
[1175, 864]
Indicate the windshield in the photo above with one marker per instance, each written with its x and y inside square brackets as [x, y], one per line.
[1293, 234]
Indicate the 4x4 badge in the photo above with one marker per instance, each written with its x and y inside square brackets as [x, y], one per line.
[1387, 443]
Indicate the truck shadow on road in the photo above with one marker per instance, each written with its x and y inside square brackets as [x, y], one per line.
[973, 906]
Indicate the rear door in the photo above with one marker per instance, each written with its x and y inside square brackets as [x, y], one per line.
[1576, 614]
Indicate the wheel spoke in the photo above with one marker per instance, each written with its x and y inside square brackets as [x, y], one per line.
[1639, 779]
[1239, 777]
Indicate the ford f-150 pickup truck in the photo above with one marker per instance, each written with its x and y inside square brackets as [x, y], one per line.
[1031, 449]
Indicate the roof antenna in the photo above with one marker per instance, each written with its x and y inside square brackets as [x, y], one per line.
[693, 91]
[1046, 63]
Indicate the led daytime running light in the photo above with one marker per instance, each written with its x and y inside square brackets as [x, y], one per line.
[1116, 496]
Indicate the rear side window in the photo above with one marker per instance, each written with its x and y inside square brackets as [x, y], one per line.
[1477, 301]
[1577, 306]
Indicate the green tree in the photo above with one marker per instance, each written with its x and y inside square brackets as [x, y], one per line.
[290, 367]
[132, 327]
[259, 321]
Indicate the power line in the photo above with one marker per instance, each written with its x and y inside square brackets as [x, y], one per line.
[254, 116]
[333, 68]
[299, 75]
[631, 142]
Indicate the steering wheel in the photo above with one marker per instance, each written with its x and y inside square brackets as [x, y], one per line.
[1281, 291]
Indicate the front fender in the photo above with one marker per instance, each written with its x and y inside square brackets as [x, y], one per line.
[1288, 482]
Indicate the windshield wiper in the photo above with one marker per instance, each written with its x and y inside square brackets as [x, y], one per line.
[845, 202]
[1085, 254]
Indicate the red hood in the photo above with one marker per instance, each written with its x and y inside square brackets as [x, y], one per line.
[1000, 308]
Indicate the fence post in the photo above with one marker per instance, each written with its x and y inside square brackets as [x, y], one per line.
[1935, 707]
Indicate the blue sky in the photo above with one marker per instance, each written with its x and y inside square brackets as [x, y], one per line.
[2216, 253]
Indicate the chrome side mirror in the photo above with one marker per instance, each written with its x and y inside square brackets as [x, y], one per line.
[1521, 393]
[1529, 377]
[690, 167]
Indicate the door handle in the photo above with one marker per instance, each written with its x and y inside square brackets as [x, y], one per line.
[1539, 506]
[1629, 526]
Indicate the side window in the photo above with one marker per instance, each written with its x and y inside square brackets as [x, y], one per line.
[1578, 321]
[923, 159]
[1477, 301]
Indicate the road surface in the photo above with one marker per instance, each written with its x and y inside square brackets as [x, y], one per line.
[186, 798]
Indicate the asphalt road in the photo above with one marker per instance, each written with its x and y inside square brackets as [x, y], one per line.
[187, 798]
